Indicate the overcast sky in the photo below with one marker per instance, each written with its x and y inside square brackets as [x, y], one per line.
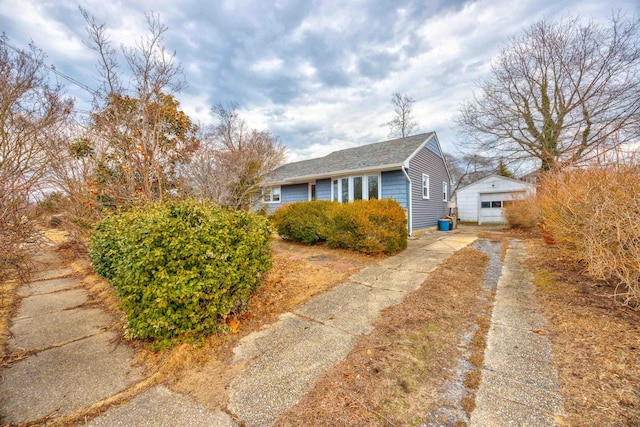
[318, 74]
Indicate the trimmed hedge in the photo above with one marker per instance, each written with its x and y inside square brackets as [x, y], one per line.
[306, 222]
[368, 226]
[179, 267]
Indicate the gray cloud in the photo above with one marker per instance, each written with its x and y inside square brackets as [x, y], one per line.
[315, 73]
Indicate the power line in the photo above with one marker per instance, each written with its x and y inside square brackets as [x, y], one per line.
[51, 69]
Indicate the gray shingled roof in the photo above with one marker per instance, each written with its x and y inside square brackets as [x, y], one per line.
[370, 156]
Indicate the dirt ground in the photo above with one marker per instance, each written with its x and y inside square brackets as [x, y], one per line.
[596, 342]
[398, 374]
[299, 273]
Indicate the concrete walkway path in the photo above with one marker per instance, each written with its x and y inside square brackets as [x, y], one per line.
[62, 357]
[519, 384]
[283, 359]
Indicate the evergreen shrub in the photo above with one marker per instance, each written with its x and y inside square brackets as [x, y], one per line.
[306, 222]
[368, 226]
[179, 267]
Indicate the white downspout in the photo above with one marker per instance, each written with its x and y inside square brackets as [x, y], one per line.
[404, 167]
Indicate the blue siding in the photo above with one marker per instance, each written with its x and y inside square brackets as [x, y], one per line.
[323, 189]
[426, 212]
[289, 194]
[295, 193]
[433, 147]
[394, 185]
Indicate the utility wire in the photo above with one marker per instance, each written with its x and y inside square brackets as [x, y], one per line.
[51, 68]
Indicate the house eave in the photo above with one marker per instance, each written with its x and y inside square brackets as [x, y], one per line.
[504, 178]
[325, 175]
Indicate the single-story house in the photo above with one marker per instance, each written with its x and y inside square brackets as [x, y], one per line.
[484, 200]
[410, 170]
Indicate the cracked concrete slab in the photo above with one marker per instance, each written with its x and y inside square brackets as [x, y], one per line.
[43, 304]
[63, 379]
[520, 392]
[395, 261]
[519, 383]
[390, 279]
[285, 361]
[159, 407]
[350, 307]
[59, 327]
[420, 264]
[57, 273]
[46, 286]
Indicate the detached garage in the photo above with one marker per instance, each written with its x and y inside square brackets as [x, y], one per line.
[484, 200]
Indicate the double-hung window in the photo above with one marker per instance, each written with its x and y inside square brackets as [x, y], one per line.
[271, 195]
[425, 186]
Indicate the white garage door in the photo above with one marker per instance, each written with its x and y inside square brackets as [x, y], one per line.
[490, 210]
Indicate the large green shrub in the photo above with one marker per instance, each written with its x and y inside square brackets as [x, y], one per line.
[306, 222]
[179, 267]
[372, 226]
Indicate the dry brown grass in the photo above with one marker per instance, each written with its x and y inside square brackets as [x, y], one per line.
[596, 343]
[299, 273]
[523, 212]
[394, 375]
[203, 370]
[8, 300]
[593, 214]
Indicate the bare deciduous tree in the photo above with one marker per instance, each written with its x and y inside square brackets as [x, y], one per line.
[403, 122]
[562, 93]
[138, 137]
[468, 168]
[31, 113]
[234, 159]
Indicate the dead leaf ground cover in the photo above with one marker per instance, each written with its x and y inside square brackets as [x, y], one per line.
[596, 342]
[396, 375]
[385, 378]
[7, 304]
[202, 370]
[299, 273]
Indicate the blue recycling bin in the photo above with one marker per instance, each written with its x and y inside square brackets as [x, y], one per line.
[443, 224]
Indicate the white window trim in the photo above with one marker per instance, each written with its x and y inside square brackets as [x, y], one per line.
[365, 186]
[352, 187]
[445, 191]
[365, 189]
[425, 178]
[309, 189]
[269, 191]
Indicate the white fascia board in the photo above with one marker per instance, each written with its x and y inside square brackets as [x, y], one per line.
[307, 178]
[417, 150]
[499, 177]
[421, 146]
